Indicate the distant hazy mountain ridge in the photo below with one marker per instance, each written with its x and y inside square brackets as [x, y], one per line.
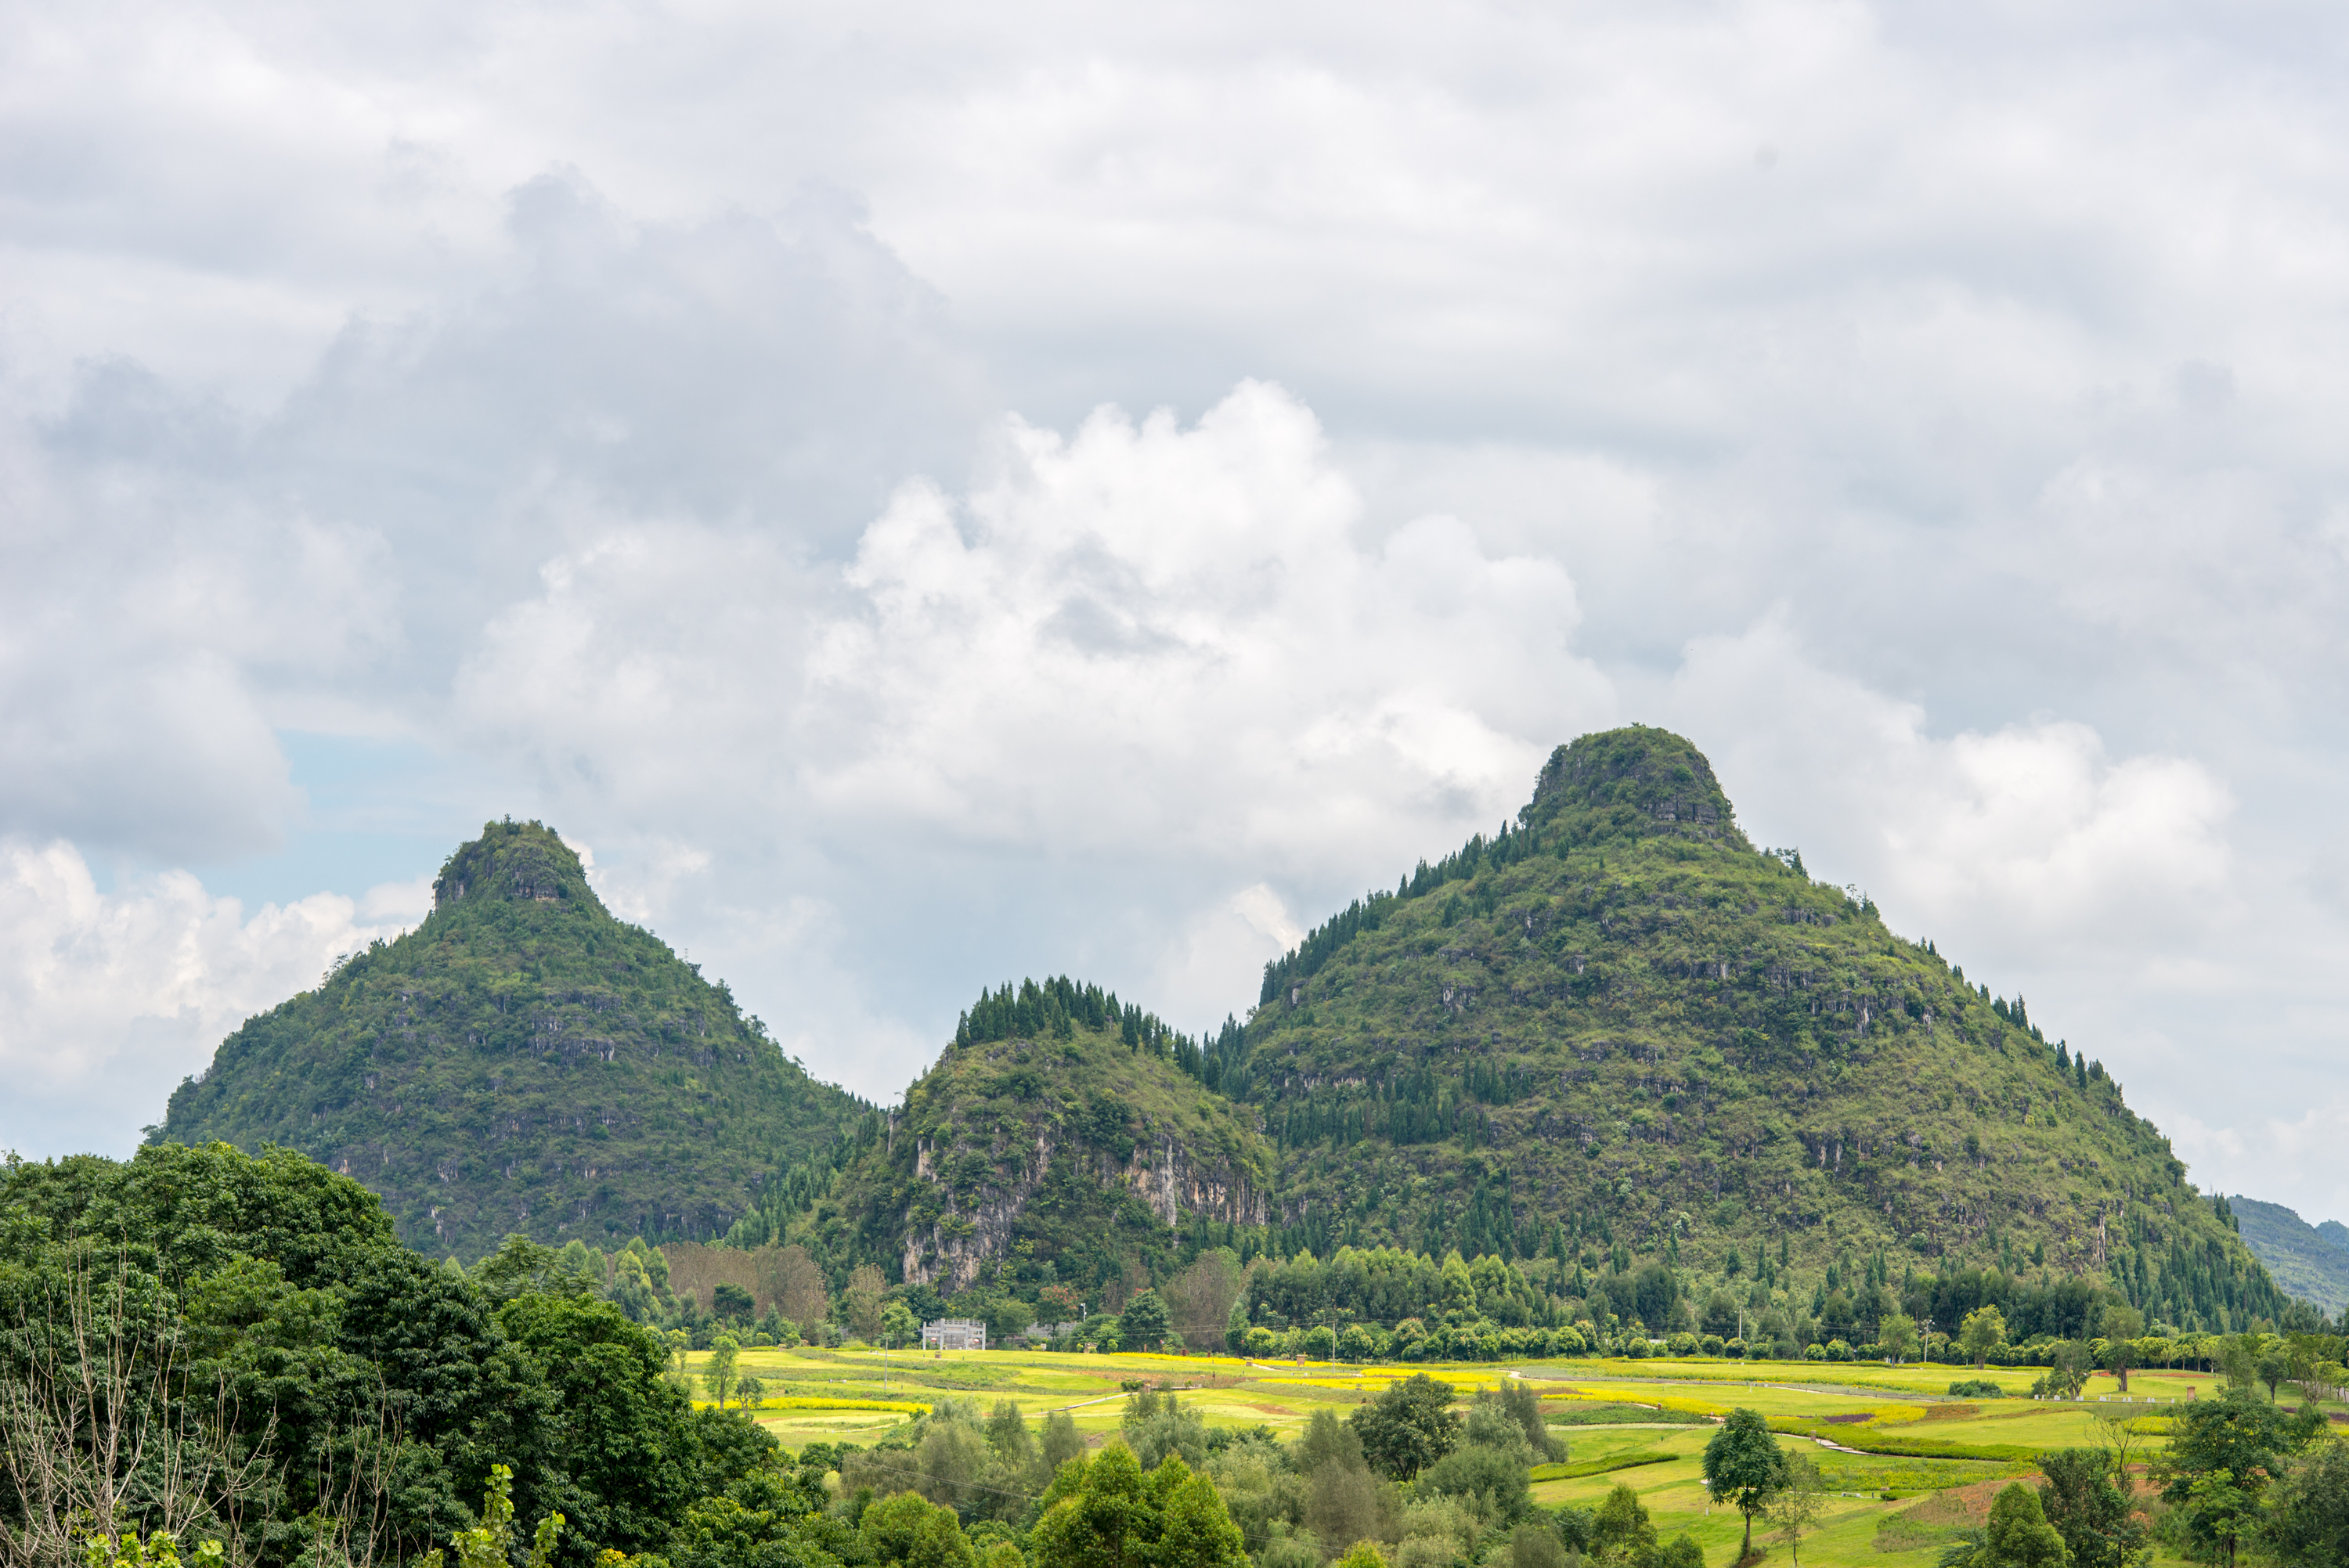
[2311, 1262]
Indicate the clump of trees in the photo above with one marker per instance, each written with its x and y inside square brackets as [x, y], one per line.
[237, 1349]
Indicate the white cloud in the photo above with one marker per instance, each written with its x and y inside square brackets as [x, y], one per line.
[1143, 654]
[543, 391]
[104, 995]
[2014, 840]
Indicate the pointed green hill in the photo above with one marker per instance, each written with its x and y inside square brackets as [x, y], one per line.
[520, 1062]
[1618, 1018]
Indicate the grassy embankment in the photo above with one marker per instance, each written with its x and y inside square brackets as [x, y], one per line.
[1926, 1464]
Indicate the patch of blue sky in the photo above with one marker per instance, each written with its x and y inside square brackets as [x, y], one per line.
[378, 811]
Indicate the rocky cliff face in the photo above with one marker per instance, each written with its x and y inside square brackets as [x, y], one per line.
[952, 1251]
[1073, 1158]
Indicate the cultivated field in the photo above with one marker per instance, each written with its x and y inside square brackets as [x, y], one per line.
[1913, 1464]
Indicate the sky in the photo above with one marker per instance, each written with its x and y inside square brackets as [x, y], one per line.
[921, 496]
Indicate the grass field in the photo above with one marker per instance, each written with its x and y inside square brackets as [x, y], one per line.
[1927, 1464]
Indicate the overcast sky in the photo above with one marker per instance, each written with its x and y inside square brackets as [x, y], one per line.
[927, 495]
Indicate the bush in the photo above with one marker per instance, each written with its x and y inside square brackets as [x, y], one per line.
[1838, 1350]
[1815, 1351]
[1976, 1388]
[1712, 1343]
[1683, 1344]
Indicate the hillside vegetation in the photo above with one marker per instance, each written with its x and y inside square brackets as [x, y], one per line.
[1057, 1136]
[1618, 1023]
[522, 1062]
[2311, 1262]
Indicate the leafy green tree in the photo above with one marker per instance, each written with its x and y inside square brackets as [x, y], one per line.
[624, 1478]
[897, 1325]
[1347, 1503]
[732, 1302]
[1236, 1327]
[1681, 1552]
[1105, 1513]
[1517, 1401]
[1408, 1427]
[1014, 1444]
[952, 1459]
[1744, 1468]
[1897, 1335]
[2067, 1371]
[940, 1543]
[1491, 1483]
[1621, 1531]
[1195, 1530]
[1532, 1544]
[487, 1543]
[1157, 1425]
[2272, 1367]
[1142, 1324]
[1327, 1441]
[725, 1355]
[2307, 1516]
[1062, 1442]
[2019, 1535]
[1798, 1503]
[1983, 1331]
[756, 1519]
[891, 1525]
[2223, 1455]
[2237, 1359]
[1459, 1285]
[2086, 1497]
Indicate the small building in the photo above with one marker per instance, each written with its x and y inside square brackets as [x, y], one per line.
[954, 1334]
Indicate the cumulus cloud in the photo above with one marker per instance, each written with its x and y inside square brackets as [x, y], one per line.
[2013, 839]
[1142, 653]
[1934, 413]
[107, 995]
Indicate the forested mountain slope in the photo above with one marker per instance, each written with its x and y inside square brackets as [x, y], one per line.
[520, 1062]
[2308, 1261]
[1620, 1020]
[1064, 1134]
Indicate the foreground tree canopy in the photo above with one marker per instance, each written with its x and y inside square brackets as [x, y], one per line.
[208, 1341]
